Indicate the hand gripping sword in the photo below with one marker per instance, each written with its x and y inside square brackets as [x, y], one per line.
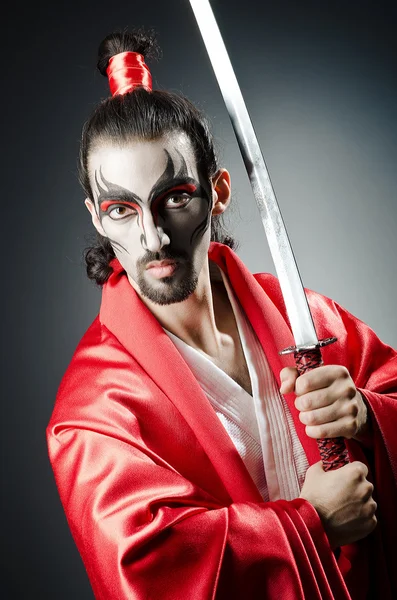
[306, 351]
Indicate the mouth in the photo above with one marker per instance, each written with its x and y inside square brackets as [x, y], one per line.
[161, 268]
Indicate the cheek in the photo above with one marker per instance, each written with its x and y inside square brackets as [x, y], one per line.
[182, 224]
[127, 234]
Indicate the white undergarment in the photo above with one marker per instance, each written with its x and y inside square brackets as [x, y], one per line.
[260, 426]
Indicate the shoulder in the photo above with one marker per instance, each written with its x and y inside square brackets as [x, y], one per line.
[98, 361]
[318, 303]
[329, 317]
[271, 286]
[356, 341]
[97, 348]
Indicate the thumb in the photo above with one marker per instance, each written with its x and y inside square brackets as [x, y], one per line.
[316, 468]
[288, 376]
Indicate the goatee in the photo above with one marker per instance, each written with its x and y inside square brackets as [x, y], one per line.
[169, 290]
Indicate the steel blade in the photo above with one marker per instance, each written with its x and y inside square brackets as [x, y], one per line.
[284, 261]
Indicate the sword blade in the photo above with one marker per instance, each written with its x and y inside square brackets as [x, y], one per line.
[284, 261]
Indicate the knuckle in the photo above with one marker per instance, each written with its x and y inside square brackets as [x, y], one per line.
[360, 471]
[369, 526]
[351, 391]
[343, 372]
[350, 429]
[367, 511]
[348, 424]
[373, 523]
[352, 409]
[302, 386]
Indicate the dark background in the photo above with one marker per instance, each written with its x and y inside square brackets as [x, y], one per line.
[319, 79]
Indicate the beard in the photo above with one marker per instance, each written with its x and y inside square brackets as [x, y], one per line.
[168, 290]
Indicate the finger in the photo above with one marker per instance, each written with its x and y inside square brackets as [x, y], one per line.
[288, 376]
[315, 469]
[326, 414]
[359, 470]
[373, 507]
[317, 399]
[340, 428]
[319, 378]
[344, 387]
[368, 489]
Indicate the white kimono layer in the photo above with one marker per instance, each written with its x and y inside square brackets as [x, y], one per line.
[260, 426]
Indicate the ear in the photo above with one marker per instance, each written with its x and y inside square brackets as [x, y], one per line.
[95, 219]
[221, 192]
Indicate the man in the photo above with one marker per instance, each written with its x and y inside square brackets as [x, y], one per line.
[183, 470]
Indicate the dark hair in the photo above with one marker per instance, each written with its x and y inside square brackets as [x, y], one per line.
[147, 115]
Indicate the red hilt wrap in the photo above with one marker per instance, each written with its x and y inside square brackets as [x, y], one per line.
[333, 451]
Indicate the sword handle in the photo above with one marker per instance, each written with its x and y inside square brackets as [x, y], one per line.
[333, 451]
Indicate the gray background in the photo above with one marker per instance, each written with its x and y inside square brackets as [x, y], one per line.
[319, 79]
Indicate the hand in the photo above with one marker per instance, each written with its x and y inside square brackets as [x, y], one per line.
[343, 500]
[329, 403]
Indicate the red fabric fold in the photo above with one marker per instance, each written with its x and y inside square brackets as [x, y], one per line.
[157, 498]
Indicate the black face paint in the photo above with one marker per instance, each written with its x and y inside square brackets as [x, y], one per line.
[117, 244]
[166, 184]
[113, 192]
[163, 184]
[177, 211]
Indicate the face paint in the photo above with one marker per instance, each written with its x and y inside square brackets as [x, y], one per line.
[165, 218]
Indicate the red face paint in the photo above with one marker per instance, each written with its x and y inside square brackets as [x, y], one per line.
[106, 203]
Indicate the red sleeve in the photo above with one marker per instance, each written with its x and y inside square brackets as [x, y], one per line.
[371, 364]
[373, 367]
[145, 532]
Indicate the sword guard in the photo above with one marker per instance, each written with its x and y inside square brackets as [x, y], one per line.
[308, 347]
[333, 451]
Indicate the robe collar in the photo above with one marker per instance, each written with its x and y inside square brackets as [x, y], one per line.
[131, 322]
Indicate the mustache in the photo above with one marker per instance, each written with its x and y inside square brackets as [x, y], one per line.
[164, 254]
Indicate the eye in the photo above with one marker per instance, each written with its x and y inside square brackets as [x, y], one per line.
[121, 212]
[177, 201]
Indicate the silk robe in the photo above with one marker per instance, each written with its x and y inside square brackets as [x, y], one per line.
[158, 499]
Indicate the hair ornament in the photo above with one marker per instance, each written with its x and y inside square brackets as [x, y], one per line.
[126, 71]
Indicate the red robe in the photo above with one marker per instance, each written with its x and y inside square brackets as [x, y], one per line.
[157, 497]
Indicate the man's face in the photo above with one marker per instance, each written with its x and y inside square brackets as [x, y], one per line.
[155, 209]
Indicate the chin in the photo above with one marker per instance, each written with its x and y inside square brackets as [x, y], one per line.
[168, 290]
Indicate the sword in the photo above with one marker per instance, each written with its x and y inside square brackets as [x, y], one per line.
[307, 347]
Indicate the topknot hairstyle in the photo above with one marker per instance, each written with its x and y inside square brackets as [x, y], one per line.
[143, 115]
[141, 41]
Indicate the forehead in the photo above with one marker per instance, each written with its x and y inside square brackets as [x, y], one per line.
[137, 165]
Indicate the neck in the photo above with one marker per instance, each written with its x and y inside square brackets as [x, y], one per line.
[205, 320]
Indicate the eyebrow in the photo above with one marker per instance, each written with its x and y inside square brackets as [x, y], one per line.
[124, 196]
[180, 185]
[169, 176]
[114, 191]
[167, 182]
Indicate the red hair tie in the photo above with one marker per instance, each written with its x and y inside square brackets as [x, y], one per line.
[126, 71]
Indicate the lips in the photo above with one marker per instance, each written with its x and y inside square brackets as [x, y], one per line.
[158, 264]
[160, 269]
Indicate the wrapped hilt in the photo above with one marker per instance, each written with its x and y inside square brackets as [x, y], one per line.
[333, 451]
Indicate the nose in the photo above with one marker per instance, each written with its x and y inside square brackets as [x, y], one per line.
[154, 237]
